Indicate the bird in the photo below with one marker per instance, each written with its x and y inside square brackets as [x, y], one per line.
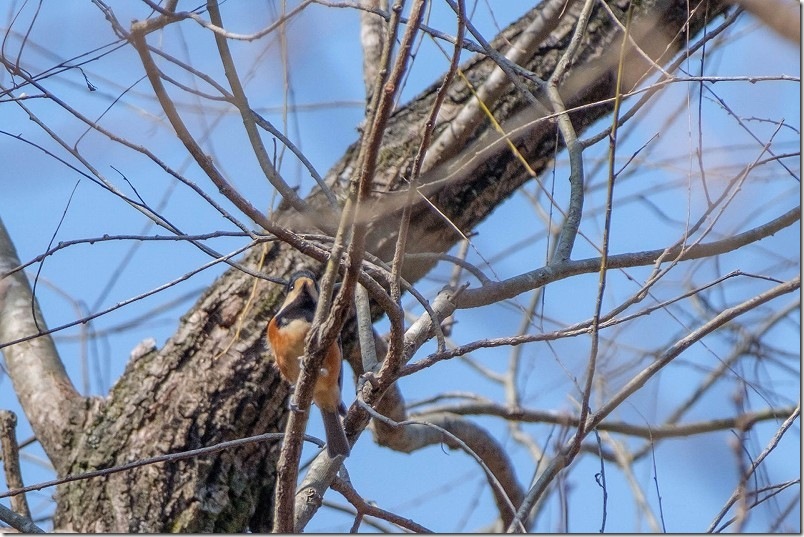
[287, 331]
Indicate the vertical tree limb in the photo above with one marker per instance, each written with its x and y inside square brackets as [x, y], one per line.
[11, 460]
[53, 406]
[372, 37]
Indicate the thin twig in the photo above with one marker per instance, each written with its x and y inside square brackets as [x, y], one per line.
[591, 367]
[137, 37]
[240, 100]
[364, 508]
[170, 457]
[127, 301]
[416, 168]
[755, 464]
[567, 454]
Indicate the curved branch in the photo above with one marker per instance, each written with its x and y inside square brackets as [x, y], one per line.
[429, 429]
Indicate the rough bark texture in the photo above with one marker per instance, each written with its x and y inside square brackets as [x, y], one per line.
[191, 393]
[197, 390]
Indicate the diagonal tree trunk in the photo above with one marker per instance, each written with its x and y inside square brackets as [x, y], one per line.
[213, 381]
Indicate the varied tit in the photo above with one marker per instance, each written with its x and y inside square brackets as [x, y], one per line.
[287, 332]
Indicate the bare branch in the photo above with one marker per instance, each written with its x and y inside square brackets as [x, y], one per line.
[240, 100]
[648, 432]
[569, 229]
[137, 36]
[21, 523]
[170, 457]
[511, 287]
[11, 460]
[735, 496]
[434, 428]
[366, 509]
[40, 381]
[372, 37]
[568, 454]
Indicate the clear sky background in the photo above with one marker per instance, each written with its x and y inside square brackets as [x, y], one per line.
[42, 203]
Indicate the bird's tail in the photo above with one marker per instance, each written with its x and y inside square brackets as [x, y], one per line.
[336, 437]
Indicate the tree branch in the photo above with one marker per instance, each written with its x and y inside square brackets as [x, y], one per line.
[48, 397]
[566, 456]
[791, 418]
[511, 287]
[648, 432]
[11, 460]
[20, 523]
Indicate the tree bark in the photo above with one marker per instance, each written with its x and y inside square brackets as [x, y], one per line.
[204, 386]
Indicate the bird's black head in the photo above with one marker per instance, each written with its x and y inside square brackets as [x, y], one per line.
[300, 299]
[303, 274]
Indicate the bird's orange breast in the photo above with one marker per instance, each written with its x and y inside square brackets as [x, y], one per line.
[288, 346]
